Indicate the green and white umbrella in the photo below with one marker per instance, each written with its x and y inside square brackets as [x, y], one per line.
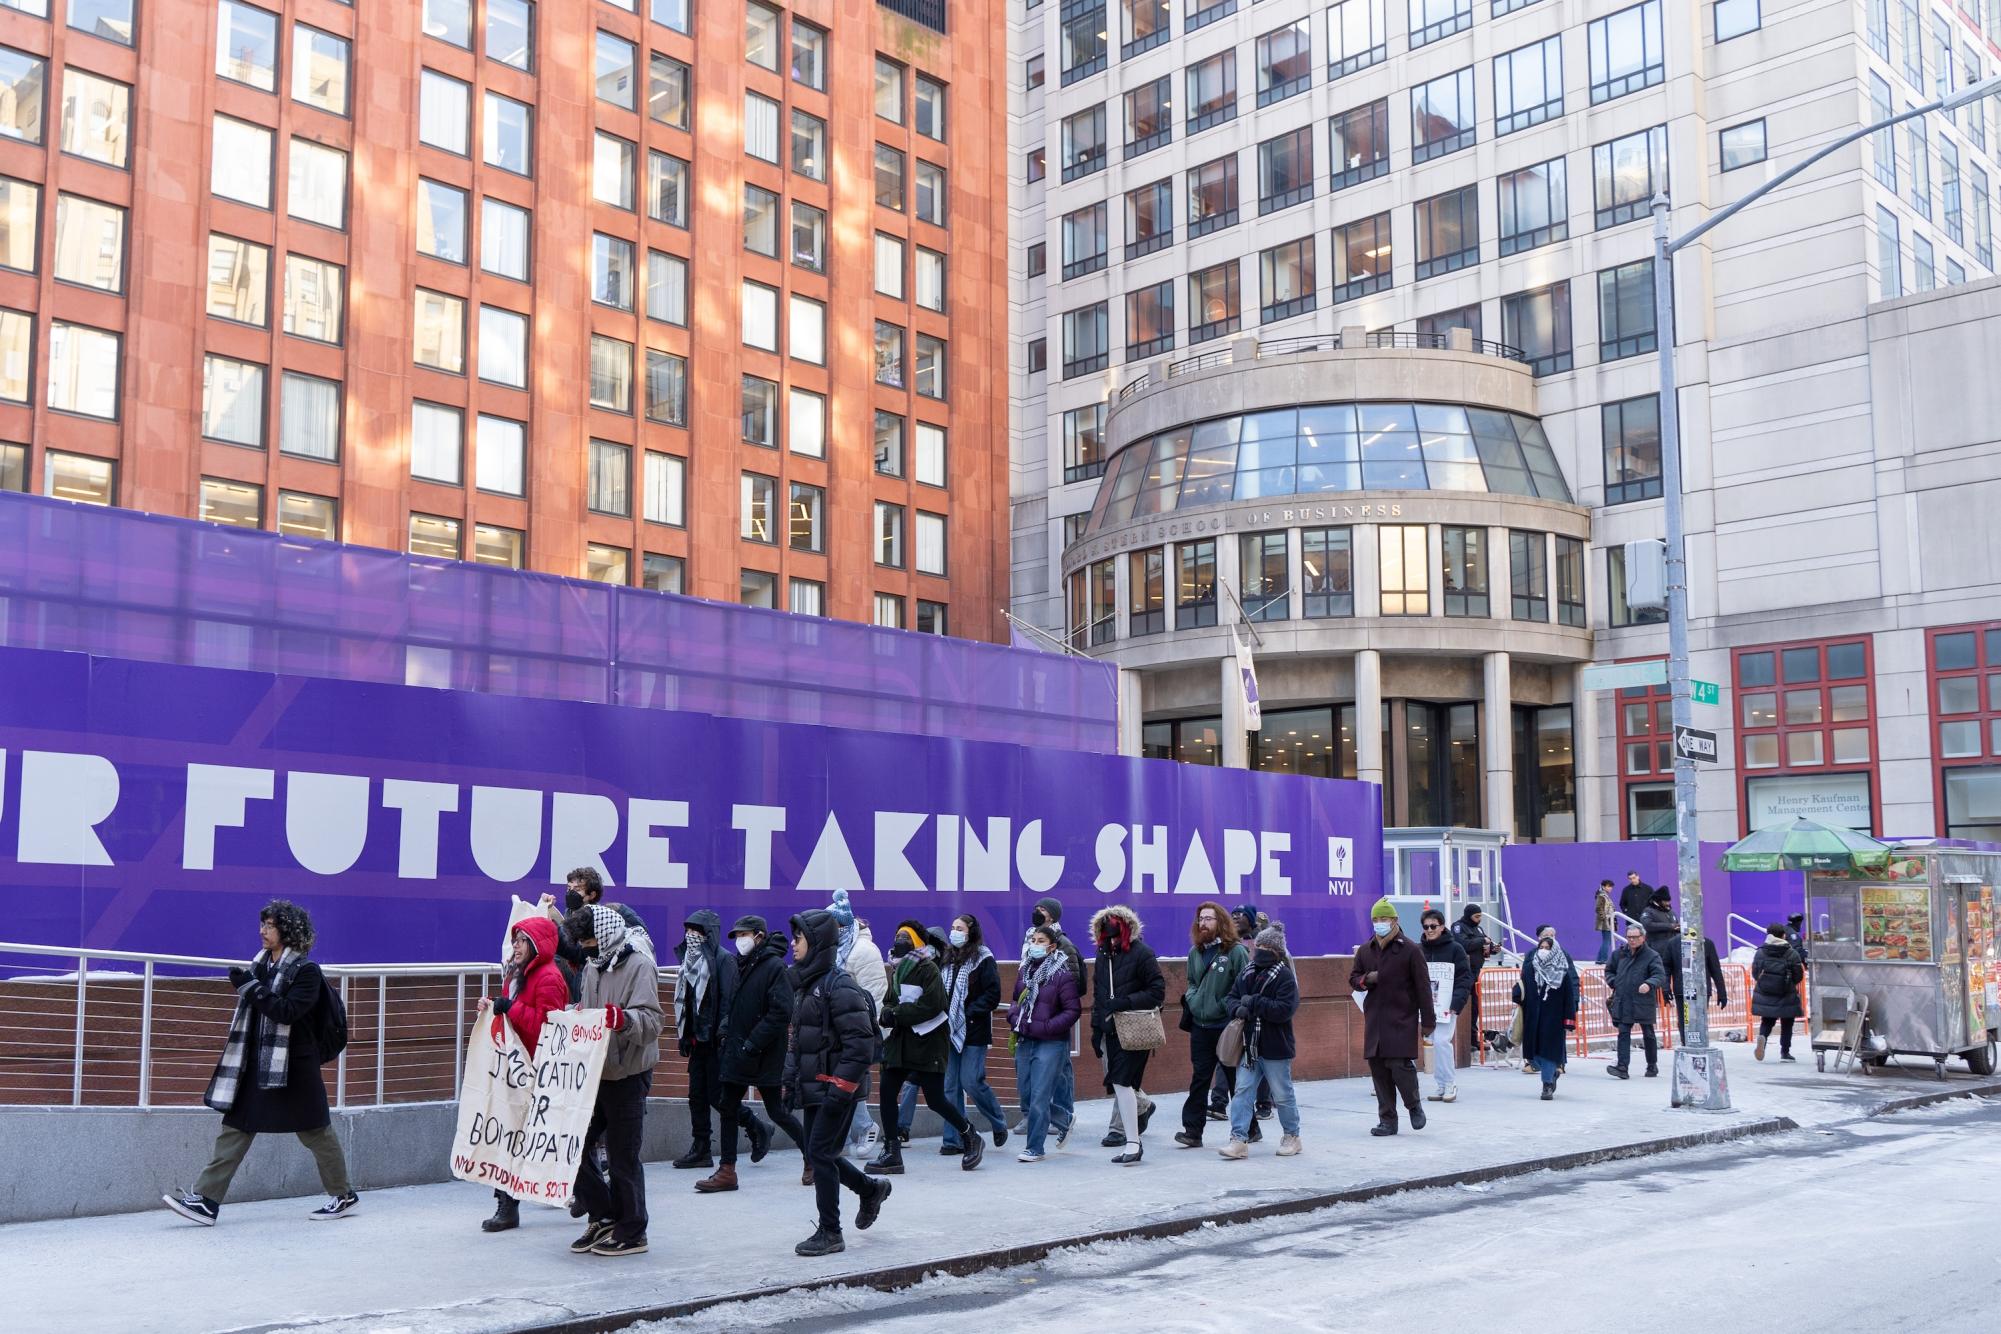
[1806, 846]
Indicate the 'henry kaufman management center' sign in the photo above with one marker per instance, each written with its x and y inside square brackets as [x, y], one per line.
[153, 807]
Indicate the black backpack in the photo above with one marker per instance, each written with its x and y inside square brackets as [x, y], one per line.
[329, 1023]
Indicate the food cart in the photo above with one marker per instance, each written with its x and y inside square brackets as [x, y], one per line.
[1904, 957]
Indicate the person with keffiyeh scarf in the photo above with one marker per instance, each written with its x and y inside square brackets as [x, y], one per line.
[702, 1000]
[1045, 1009]
[622, 981]
[1548, 995]
[268, 1079]
[916, 1039]
[972, 990]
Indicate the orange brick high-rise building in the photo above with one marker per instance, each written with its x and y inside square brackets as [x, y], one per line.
[704, 297]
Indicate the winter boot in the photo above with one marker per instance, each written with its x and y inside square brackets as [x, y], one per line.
[760, 1138]
[696, 1156]
[976, 1149]
[872, 1206]
[506, 1215]
[889, 1162]
[822, 1242]
[806, 1175]
[723, 1179]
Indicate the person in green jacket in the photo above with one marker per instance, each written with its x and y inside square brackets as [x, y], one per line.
[1215, 958]
[916, 1039]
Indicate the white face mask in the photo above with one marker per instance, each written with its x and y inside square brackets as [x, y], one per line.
[958, 940]
[745, 944]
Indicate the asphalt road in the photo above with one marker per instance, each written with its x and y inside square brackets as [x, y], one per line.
[1875, 1227]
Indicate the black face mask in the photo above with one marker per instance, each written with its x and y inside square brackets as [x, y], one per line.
[1039, 918]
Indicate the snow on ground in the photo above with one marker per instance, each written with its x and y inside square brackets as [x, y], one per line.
[1881, 1227]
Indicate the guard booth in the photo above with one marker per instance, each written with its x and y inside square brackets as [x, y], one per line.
[1446, 869]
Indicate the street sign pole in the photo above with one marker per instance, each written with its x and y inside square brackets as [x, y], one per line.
[1698, 1068]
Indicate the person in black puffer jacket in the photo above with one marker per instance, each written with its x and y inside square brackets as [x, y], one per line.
[1128, 978]
[834, 1038]
[753, 1047]
[1663, 926]
[1776, 971]
[1479, 947]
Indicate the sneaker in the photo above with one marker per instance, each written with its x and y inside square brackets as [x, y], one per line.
[340, 1206]
[871, 1137]
[594, 1232]
[1219, 1113]
[1618, 1072]
[872, 1206]
[1548, 1092]
[1759, 1050]
[1000, 1136]
[1786, 1056]
[1257, 1132]
[1236, 1150]
[610, 1245]
[1062, 1136]
[195, 1208]
[1289, 1147]
[1653, 1072]
[822, 1242]
[1186, 1140]
[949, 1151]
[1450, 1095]
[1264, 1111]
[1113, 1140]
[1029, 1156]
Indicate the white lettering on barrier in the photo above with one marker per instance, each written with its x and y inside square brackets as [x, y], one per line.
[218, 797]
[64, 796]
[758, 824]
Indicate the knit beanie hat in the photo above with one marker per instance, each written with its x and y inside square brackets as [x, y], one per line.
[1272, 938]
[1382, 912]
[840, 909]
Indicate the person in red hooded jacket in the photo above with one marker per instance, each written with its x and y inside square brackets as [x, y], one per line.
[533, 987]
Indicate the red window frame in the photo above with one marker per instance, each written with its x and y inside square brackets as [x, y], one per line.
[1784, 694]
[1658, 738]
[1986, 714]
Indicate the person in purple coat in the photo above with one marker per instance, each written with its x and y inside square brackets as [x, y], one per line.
[1046, 1007]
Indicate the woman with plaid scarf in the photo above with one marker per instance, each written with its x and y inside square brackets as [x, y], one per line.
[268, 1080]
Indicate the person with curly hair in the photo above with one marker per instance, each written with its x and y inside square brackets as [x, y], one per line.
[268, 1080]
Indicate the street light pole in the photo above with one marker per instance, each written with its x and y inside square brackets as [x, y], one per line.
[1699, 1080]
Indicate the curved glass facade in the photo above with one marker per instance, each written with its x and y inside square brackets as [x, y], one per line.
[1329, 448]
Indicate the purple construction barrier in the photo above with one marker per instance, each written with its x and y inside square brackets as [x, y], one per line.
[1556, 883]
[117, 583]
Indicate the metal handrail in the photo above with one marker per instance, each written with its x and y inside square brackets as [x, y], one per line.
[1730, 935]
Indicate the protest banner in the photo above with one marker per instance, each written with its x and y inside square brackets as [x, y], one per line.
[522, 1118]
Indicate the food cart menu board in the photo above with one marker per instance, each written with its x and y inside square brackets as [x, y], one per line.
[1896, 923]
[1983, 973]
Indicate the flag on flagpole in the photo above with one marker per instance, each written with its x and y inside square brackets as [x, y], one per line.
[1247, 678]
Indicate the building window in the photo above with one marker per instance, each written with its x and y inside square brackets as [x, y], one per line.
[889, 265]
[97, 115]
[1538, 323]
[1626, 310]
[1285, 170]
[435, 536]
[1983, 218]
[309, 416]
[1214, 302]
[1286, 281]
[240, 168]
[889, 611]
[1627, 173]
[1436, 330]
[888, 534]
[930, 463]
[1545, 775]
[930, 193]
[1535, 206]
[666, 388]
[1094, 608]
[806, 597]
[79, 477]
[1646, 752]
[614, 165]
[449, 21]
[496, 546]
[929, 533]
[90, 243]
[1948, 187]
[1619, 612]
[441, 221]
[1431, 20]
[1038, 260]
[809, 146]
[666, 287]
[1359, 142]
[1464, 570]
[888, 444]
[1528, 85]
[1914, 43]
[1734, 18]
[1149, 116]
[759, 416]
[1084, 442]
[1150, 321]
[503, 240]
[1327, 575]
[508, 134]
[1965, 710]
[1442, 116]
[313, 298]
[611, 374]
[316, 184]
[888, 177]
[1448, 232]
[319, 69]
[806, 330]
[1362, 258]
[1632, 433]
[663, 574]
[611, 271]
[666, 498]
[246, 45]
[616, 70]
[1147, 25]
[312, 517]
[928, 270]
[760, 316]
[1806, 707]
[444, 112]
[500, 450]
[1187, 740]
[763, 36]
[667, 189]
[1406, 569]
[437, 443]
[1295, 741]
[1084, 143]
[610, 482]
[1146, 592]
[607, 564]
[1086, 340]
[931, 359]
[1741, 145]
[1082, 33]
[1528, 576]
[758, 588]
[1357, 36]
[1033, 72]
[1212, 196]
[83, 370]
[1212, 91]
[439, 339]
[1889, 258]
[20, 228]
[1924, 276]
[1441, 766]
[109, 19]
[669, 85]
[1195, 590]
[1883, 143]
[232, 401]
[806, 423]
[1626, 52]
[928, 105]
[1264, 568]
[1570, 581]
[759, 518]
[1285, 62]
[1036, 164]
[760, 127]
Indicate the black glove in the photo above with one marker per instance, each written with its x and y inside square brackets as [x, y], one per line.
[1098, 1045]
[239, 975]
[1242, 1011]
[686, 1047]
[501, 1003]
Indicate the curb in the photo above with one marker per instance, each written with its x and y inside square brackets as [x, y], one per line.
[893, 1277]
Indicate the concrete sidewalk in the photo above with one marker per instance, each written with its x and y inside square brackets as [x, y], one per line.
[414, 1260]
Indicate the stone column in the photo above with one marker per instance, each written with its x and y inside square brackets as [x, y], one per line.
[1584, 756]
[1497, 743]
[1131, 713]
[1369, 717]
[1236, 746]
